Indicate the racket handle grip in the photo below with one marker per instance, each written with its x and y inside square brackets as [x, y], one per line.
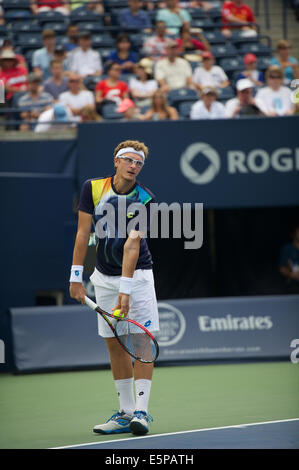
[90, 303]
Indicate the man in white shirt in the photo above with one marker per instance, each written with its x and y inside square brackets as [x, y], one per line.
[276, 98]
[209, 74]
[173, 72]
[84, 60]
[76, 98]
[244, 104]
[54, 118]
[208, 107]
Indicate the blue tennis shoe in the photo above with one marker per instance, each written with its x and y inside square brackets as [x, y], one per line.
[117, 424]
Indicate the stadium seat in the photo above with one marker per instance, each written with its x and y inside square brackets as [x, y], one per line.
[30, 26]
[185, 108]
[103, 40]
[197, 13]
[58, 26]
[92, 26]
[215, 14]
[30, 41]
[12, 4]
[203, 23]
[3, 31]
[91, 81]
[238, 38]
[16, 14]
[137, 40]
[47, 16]
[105, 52]
[83, 15]
[215, 37]
[109, 111]
[175, 97]
[225, 94]
[232, 64]
[263, 63]
[221, 51]
[118, 4]
[258, 49]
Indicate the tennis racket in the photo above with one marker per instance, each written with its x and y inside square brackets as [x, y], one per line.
[134, 338]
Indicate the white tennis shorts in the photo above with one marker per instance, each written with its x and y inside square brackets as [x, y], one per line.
[143, 302]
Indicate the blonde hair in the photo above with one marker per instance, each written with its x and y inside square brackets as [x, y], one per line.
[274, 69]
[282, 43]
[139, 146]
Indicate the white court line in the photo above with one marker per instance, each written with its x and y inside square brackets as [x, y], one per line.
[175, 433]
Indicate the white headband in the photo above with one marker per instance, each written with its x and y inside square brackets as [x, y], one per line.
[130, 150]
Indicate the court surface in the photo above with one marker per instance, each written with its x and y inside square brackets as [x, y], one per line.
[249, 405]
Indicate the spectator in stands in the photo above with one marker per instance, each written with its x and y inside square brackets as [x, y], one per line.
[206, 6]
[72, 33]
[289, 262]
[208, 107]
[87, 5]
[41, 58]
[173, 72]
[143, 86]
[209, 74]
[84, 60]
[155, 46]
[2, 21]
[56, 118]
[90, 115]
[77, 98]
[128, 110]
[57, 83]
[284, 60]
[275, 98]
[244, 104]
[112, 88]
[135, 17]
[40, 6]
[173, 16]
[160, 110]
[251, 72]
[34, 102]
[123, 54]
[7, 45]
[237, 13]
[61, 55]
[187, 43]
[13, 75]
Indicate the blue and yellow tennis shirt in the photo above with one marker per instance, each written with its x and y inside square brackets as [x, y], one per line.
[99, 191]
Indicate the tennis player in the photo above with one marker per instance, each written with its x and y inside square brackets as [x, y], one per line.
[123, 279]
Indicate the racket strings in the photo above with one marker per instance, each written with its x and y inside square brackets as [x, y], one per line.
[136, 341]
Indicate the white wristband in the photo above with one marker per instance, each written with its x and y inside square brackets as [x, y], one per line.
[125, 285]
[76, 273]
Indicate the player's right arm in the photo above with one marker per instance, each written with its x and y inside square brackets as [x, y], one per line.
[77, 290]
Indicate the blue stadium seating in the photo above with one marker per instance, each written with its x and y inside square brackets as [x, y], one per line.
[47, 16]
[103, 40]
[58, 26]
[91, 81]
[185, 108]
[30, 41]
[232, 64]
[182, 94]
[92, 26]
[263, 63]
[78, 16]
[225, 94]
[203, 23]
[215, 37]
[258, 49]
[221, 51]
[109, 111]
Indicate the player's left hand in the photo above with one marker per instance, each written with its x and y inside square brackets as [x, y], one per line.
[123, 304]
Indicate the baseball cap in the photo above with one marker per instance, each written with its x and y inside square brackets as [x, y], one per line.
[207, 55]
[59, 48]
[60, 112]
[243, 84]
[248, 58]
[124, 105]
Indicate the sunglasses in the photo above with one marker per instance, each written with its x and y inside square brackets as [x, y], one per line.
[275, 77]
[129, 161]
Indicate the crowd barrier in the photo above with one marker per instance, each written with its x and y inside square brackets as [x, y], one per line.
[53, 338]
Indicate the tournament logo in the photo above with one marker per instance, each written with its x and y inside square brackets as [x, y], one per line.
[200, 150]
[172, 325]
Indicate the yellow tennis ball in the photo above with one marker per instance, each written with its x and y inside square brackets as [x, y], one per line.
[117, 314]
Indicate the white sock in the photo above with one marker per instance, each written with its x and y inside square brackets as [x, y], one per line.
[143, 390]
[125, 394]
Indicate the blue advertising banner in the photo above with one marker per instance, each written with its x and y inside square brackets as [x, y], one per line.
[195, 329]
[221, 163]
